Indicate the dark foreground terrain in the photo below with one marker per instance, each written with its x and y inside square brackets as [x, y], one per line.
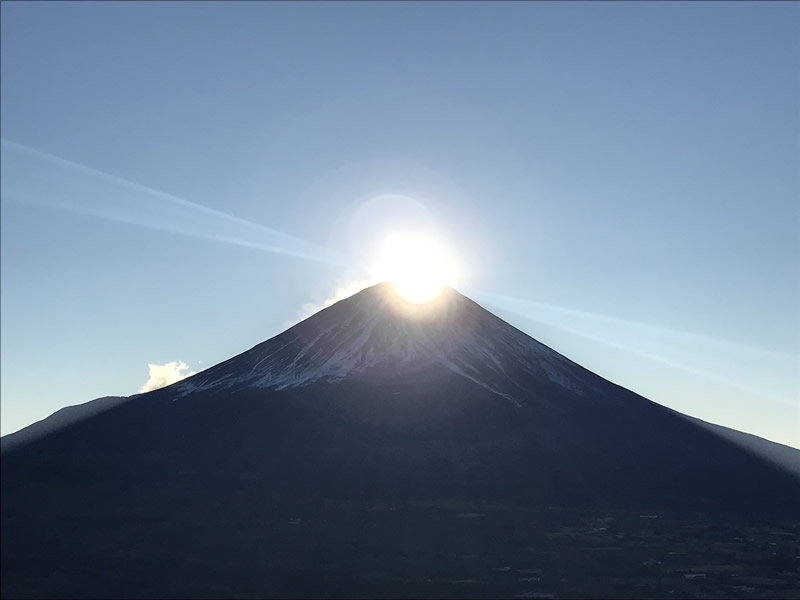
[416, 549]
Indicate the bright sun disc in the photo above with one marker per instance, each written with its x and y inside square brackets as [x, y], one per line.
[418, 267]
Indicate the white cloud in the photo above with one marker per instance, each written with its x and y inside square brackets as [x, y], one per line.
[342, 291]
[164, 375]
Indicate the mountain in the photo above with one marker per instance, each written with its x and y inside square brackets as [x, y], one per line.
[376, 448]
[786, 457]
[59, 420]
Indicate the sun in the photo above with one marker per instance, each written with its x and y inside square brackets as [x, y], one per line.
[418, 266]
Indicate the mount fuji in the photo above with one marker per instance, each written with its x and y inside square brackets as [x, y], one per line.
[376, 448]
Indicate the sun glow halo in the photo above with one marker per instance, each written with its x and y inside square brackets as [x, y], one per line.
[418, 267]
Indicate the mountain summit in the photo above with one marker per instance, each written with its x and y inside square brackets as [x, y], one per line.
[377, 337]
[288, 454]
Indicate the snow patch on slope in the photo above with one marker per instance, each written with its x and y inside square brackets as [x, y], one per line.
[369, 339]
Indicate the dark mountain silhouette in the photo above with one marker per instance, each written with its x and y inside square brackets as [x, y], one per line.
[59, 420]
[264, 475]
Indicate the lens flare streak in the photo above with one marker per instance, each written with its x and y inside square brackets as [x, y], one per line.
[701, 355]
[34, 177]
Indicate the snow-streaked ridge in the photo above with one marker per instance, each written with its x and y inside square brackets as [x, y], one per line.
[368, 336]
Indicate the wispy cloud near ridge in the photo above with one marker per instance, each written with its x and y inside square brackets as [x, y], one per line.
[344, 290]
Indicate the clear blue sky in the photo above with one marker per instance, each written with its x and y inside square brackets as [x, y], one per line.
[621, 180]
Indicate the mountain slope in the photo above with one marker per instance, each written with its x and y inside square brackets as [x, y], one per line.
[362, 432]
[58, 420]
[780, 455]
[375, 337]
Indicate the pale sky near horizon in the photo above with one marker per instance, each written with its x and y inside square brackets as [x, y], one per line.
[181, 181]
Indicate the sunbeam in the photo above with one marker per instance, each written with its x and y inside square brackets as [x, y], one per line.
[700, 355]
[36, 177]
